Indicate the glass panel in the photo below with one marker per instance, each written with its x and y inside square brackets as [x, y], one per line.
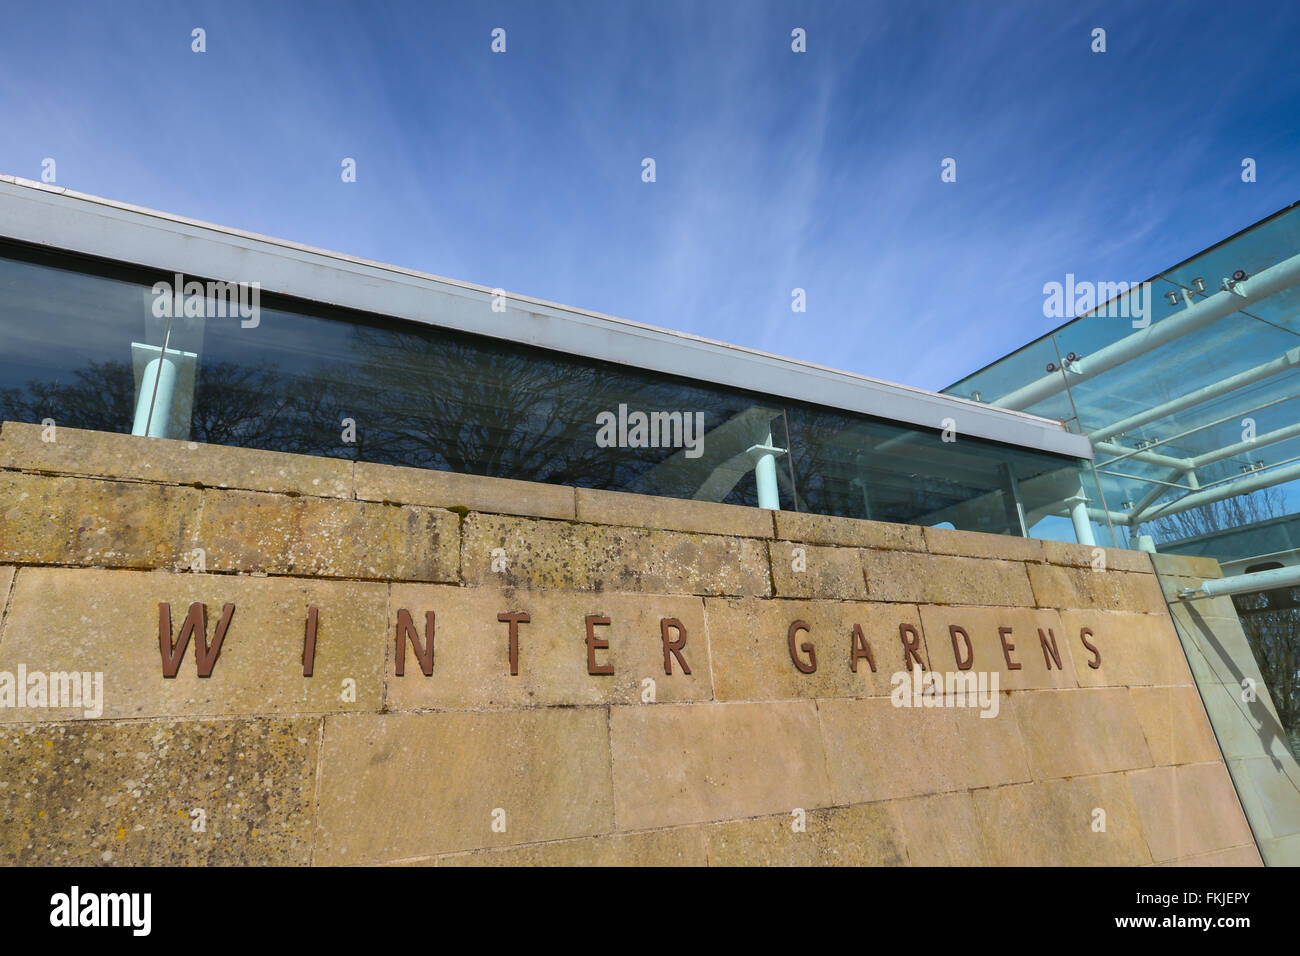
[65, 338]
[860, 468]
[311, 379]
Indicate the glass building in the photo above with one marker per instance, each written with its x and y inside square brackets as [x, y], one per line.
[116, 318]
[1189, 391]
[1163, 419]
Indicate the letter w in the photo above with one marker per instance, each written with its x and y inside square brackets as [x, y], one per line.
[205, 654]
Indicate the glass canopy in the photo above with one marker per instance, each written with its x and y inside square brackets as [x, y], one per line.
[1195, 418]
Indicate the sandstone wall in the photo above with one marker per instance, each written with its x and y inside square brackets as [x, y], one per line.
[600, 747]
[1251, 736]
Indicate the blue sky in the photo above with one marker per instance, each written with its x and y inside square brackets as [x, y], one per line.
[775, 170]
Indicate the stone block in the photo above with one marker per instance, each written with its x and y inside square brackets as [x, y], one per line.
[1131, 649]
[158, 793]
[1025, 647]
[403, 786]
[78, 620]
[1069, 588]
[554, 554]
[671, 514]
[318, 537]
[472, 655]
[847, 532]
[877, 751]
[944, 579]
[1056, 823]
[445, 489]
[809, 571]
[76, 451]
[1175, 725]
[694, 763]
[977, 544]
[1073, 733]
[867, 835]
[1188, 810]
[750, 643]
[120, 524]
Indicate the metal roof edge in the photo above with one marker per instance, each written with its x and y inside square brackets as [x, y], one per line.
[786, 377]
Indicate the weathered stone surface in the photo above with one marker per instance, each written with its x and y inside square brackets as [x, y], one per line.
[976, 544]
[127, 793]
[1071, 733]
[1188, 810]
[928, 750]
[83, 620]
[1247, 728]
[1266, 784]
[75, 451]
[586, 770]
[1216, 645]
[445, 489]
[944, 579]
[54, 520]
[1086, 556]
[1052, 823]
[672, 514]
[693, 763]
[681, 847]
[1182, 565]
[848, 532]
[809, 571]
[999, 638]
[1134, 649]
[555, 554]
[1066, 588]
[403, 786]
[867, 835]
[1284, 851]
[1174, 724]
[249, 531]
[941, 830]
[471, 668]
[750, 644]
[1245, 855]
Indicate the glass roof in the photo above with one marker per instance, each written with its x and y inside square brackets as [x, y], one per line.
[1194, 436]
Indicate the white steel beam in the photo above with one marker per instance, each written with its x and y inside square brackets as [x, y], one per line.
[1245, 583]
[1282, 363]
[1241, 486]
[1274, 279]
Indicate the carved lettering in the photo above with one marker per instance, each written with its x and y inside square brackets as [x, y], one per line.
[806, 647]
[514, 620]
[1007, 648]
[1050, 650]
[309, 643]
[406, 632]
[1084, 634]
[673, 648]
[205, 654]
[595, 643]
[911, 642]
[953, 631]
[858, 649]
